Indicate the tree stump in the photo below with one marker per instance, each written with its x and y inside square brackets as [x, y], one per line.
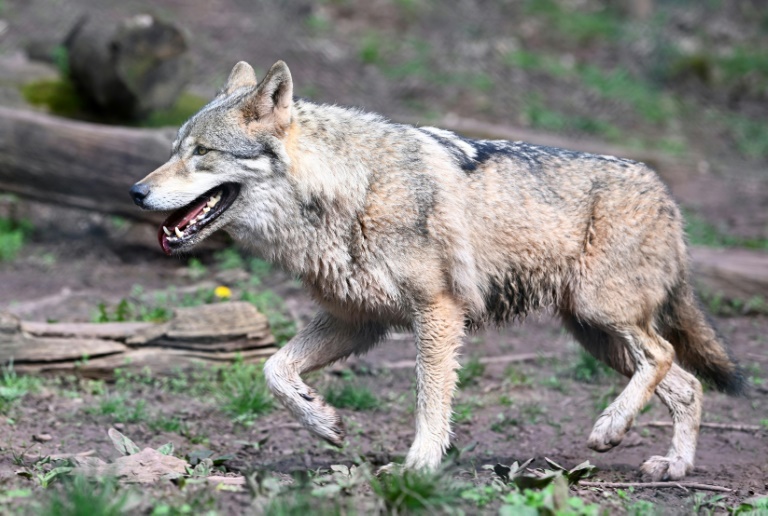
[129, 69]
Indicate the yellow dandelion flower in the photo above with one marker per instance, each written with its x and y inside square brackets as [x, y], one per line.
[222, 292]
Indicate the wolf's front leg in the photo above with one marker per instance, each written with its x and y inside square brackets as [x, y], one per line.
[324, 340]
[439, 328]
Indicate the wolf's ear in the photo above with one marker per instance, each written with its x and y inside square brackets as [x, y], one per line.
[273, 99]
[242, 74]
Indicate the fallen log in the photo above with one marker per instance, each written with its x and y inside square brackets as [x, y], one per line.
[213, 334]
[78, 164]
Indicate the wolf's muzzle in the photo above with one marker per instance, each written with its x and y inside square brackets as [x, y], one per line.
[138, 193]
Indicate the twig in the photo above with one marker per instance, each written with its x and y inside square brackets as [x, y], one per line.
[715, 426]
[681, 485]
[503, 359]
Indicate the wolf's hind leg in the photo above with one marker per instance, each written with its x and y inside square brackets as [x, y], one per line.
[439, 329]
[681, 393]
[651, 357]
[323, 341]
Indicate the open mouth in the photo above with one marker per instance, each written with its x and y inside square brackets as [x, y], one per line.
[185, 223]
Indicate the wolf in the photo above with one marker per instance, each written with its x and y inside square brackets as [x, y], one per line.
[390, 225]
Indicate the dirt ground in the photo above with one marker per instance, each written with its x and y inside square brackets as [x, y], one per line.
[511, 412]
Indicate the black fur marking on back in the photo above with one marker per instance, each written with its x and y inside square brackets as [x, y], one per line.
[313, 210]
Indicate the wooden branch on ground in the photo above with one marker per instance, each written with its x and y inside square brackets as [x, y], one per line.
[217, 333]
[655, 485]
[715, 426]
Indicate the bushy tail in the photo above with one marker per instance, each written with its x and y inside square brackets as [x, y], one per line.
[698, 346]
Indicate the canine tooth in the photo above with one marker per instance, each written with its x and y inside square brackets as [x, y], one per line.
[179, 234]
[206, 209]
[166, 231]
[211, 203]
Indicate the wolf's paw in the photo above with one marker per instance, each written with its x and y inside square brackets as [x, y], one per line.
[324, 422]
[608, 432]
[666, 468]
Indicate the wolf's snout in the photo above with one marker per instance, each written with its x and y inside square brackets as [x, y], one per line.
[138, 193]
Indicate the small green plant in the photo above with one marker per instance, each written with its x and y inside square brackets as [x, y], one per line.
[579, 26]
[13, 234]
[463, 412]
[351, 396]
[407, 491]
[229, 258]
[14, 387]
[516, 377]
[589, 369]
[270, 304]
[120, 408]
[242, 391]
[470, 372]
[80, 496]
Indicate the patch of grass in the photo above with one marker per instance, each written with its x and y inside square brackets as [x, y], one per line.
[242, 391]
[589, 369]
[516, 377]
[701, 232]
[270, 304]
[13, 234]
[579, 26]
[228, 259]
[553, 499]
[351, 396]
[80, 496]
[14, 387]
[463, 412]
[619, 85]
[470, 372]
[750, 136]
[406, 492]
[541, 117]
[120, 408]
[186, 105]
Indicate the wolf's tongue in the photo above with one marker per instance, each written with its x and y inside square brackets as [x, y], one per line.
[178, 219]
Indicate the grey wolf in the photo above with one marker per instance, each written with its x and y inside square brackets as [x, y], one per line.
[390, 225]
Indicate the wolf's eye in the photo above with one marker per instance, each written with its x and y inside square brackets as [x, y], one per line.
[200, 150]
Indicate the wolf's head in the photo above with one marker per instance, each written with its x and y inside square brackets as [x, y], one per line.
[228, 162]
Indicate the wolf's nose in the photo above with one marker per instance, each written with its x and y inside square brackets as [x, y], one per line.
[138, 193]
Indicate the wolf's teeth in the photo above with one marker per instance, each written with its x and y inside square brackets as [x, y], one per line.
[166, 231]
[212, 202]
[206, 209]
[179, 234]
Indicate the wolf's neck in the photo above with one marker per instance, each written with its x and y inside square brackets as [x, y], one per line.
[331, 177]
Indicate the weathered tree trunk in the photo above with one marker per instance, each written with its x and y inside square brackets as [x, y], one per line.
[129, 69]
[78, 164]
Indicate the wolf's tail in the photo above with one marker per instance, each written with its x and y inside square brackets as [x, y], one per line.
[698, 346]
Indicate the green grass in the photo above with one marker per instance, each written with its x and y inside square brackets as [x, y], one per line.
[14, 387]
[242, 391]
[407, 492]
[120, 408]
[81, 496]
[351, 396]
[578, 26]
[470, 373]
[589, 369]
[270, 304]
[13, 235]
[701, 232]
